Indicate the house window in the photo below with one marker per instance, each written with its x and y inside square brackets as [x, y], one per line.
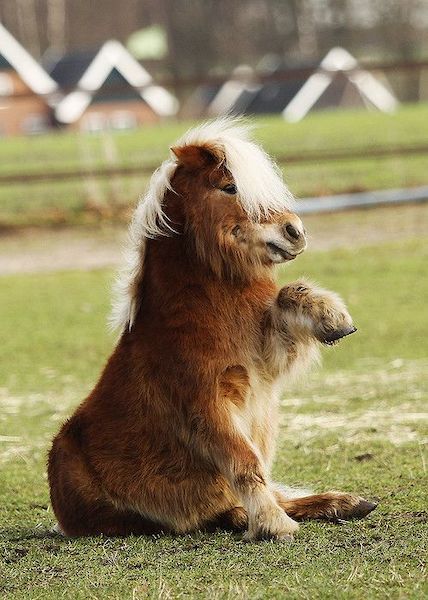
[6, 85]
[34, 124]
[123, 119]
[93, 122]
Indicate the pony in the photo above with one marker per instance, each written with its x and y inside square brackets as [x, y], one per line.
[179, 432]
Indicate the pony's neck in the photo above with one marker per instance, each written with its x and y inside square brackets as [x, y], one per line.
[172, 273]
[171, 265]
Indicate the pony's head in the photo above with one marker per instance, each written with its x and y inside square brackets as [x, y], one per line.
[226, 199]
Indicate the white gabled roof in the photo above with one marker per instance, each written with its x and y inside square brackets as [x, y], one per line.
[231, 91]
[25, 65]
[339, 59]
[113, 55]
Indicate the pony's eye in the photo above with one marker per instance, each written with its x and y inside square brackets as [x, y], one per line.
[229, 189]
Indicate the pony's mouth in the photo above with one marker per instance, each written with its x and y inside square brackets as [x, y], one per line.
[279, 253]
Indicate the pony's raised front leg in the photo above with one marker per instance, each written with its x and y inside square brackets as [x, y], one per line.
[307, 311]
[302, 316]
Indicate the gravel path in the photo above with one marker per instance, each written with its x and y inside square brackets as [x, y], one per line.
[44, 250]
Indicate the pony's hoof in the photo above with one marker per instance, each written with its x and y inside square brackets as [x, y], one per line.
[358, 511]
[288, 538]
[362, 509]
[333, 337]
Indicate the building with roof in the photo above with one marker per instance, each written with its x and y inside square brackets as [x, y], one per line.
[248, 93]
[27, 92]
[108, 89]
[280, 87]
[340, 82]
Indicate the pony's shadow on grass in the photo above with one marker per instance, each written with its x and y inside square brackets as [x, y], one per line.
[51, 540]
[20, 542]
[26, 534]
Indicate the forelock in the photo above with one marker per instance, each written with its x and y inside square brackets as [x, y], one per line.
[261, 188]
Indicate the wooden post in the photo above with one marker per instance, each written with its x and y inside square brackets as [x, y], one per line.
[112, 159]
[93, 192]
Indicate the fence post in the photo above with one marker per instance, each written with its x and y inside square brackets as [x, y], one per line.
[93, 193]
[112, 159]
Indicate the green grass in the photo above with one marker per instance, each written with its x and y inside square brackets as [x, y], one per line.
[356, 424]
[67, 201]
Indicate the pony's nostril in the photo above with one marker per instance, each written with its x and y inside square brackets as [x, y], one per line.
[292, 231]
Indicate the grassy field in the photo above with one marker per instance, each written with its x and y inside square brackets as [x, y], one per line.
[359, 424]
[91, 200]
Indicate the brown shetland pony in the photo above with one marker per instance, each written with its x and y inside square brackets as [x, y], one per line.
[179, 432]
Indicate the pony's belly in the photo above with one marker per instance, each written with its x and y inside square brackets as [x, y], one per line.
[257, 418]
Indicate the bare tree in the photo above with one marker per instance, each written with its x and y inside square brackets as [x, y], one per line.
[206, 36]
[28, 25]
[56, 23]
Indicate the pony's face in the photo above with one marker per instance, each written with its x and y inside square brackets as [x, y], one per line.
[226, 201]
[224, 235]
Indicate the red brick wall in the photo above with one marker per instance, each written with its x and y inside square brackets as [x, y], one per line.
[21, 110]
[109, 113]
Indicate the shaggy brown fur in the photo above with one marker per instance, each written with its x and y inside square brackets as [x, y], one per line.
[179, 432]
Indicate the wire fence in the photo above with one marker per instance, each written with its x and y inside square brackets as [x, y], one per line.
[103, 173]
[341, 154]
[94, 193]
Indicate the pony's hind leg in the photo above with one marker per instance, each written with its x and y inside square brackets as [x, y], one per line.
[81, 507]
[89, 514]
[104, 519]
[330, 506]
[235, 520]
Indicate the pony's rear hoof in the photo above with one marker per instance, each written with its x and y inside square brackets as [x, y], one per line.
[287, 538]
[362, 509]
[57, 530]
[359, 511]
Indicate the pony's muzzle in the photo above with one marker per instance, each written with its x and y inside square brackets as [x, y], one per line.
[294, 232]
[285, 240]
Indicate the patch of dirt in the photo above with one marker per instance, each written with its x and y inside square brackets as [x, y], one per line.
[358, 228]
[363, 457]
[421, 516]
[14, 554]
[47, 250]
[400, 422]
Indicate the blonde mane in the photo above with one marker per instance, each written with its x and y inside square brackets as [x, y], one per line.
[261, 191]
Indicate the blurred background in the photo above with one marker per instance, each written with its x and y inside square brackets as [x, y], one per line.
[90, 101]
[92, 94]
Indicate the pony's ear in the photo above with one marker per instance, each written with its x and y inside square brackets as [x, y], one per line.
[196, 157]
